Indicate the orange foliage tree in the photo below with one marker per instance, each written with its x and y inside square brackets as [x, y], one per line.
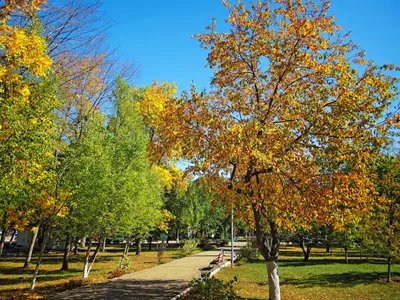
[290, 121]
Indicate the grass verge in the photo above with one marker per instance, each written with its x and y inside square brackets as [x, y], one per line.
[324, 276]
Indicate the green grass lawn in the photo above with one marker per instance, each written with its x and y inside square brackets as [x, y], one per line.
[15, 281]
[325, 276]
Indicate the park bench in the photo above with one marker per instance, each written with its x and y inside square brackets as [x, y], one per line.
[218, 259]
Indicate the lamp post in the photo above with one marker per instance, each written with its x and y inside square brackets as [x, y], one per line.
[232, 261]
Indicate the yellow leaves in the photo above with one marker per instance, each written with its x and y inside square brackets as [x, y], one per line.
[155, 100]
[160, 112]
[25, 92]
[167, 217]
[26, 49]
[172, 177]
[324, 44]
[166, 176]
[21, 48]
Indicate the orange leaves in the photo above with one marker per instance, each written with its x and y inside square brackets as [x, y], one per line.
[289, 114]
[226, 3]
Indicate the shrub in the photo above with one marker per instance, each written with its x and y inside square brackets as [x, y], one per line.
[160, 251]
[189, 247]
[125, 263]
[249, 253]
[211, 288]
[206, 244]
[209, 247]
[123, 267]
[224, 242]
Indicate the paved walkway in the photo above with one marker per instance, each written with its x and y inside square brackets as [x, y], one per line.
[160, 282]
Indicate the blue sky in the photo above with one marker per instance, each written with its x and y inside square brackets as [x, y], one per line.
[157, 34]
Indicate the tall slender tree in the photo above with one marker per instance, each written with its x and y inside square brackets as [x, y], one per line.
[26, 116]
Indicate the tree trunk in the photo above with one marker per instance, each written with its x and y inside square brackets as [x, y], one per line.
[31, 247]
[3, 232]
[2, 240]
[306, 251]
[138, 245]
[328, 247]
[103, 247]
[389, 264]
[177, 236]
[67, 249]
[273, 280]
[125, 254]
[94, 256]
[83, 242]
[346, 255]
[86, 265]
[126, 250]
[13, 235]
[43, 247]
[75, 245]
[150, 242]
[269, 249]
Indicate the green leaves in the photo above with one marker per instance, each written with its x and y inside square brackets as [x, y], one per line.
[114, 189]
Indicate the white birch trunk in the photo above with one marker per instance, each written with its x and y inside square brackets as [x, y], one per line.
[35, 274]
[273, 281]
[86, 265]
[85, 269]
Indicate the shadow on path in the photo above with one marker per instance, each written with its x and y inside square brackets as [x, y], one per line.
[121, 289]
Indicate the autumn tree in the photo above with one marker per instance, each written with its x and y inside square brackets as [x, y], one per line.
[157, 110]
[26, 116]
[289, 90]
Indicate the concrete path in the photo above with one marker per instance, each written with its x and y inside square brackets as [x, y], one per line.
[160, 282]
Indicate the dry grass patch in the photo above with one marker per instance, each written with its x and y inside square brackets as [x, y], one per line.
[15, 281]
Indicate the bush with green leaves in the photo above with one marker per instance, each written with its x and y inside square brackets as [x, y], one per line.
[209, 247]
[189, 247]
[224, 242]
[211, 288]
[206, 244]
[249, 253]
[125, 263]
